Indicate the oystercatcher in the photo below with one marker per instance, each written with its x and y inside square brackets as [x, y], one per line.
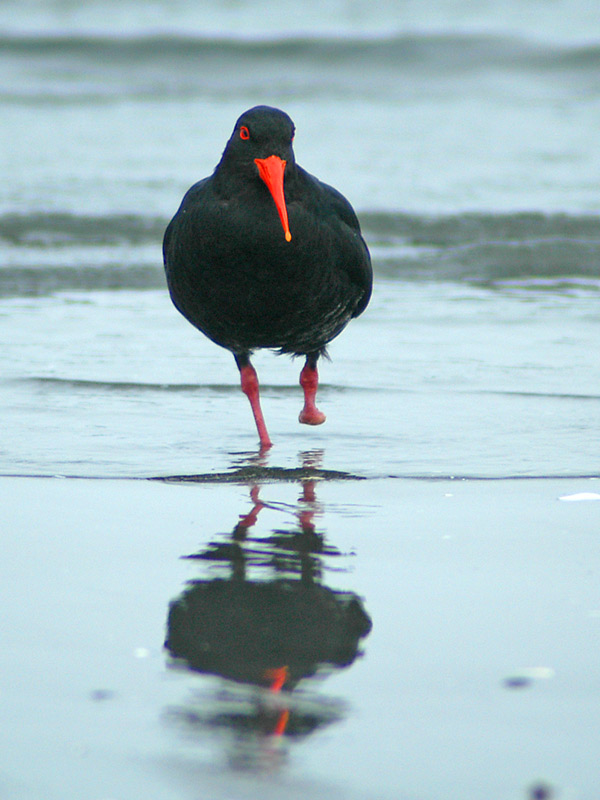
[262, 254]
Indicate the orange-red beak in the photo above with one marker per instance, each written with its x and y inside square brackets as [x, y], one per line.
[271, 170]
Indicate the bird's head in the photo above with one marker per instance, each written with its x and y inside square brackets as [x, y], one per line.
[261, 147]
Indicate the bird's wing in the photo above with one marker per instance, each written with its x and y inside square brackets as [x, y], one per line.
[191, 197]
[358, 266]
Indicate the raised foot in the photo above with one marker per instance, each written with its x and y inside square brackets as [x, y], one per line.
[309, 380]
[311, 416]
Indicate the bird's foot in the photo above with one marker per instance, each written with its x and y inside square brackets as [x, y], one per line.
[265, 446]
[309, 380]
[311, 416]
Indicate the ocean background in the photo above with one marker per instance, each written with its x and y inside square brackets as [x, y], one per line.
[466, 136]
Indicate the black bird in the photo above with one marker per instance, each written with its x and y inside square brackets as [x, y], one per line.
[261, 254]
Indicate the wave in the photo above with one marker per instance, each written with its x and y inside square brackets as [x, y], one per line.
[51, 252]
[500, 248]
[127, 387]
[55, 229]
[103, 66]
[52, 383]
[462, 50]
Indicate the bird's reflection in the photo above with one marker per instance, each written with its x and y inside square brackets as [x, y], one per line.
[262, 617]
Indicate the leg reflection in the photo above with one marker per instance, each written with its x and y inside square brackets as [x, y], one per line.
[266, 623]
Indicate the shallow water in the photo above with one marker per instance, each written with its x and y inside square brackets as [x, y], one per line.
[472, 381]
[460, 407]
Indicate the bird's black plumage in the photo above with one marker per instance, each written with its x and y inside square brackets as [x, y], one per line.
[232, 272]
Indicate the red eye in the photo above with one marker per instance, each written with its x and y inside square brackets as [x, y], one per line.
[244, 132]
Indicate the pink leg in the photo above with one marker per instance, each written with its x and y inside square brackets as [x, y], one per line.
[249, 519]
[309, 381]
[279, 676]
[305, 515]
[249, 380]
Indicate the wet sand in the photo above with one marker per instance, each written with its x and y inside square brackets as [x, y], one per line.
[477, 679]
